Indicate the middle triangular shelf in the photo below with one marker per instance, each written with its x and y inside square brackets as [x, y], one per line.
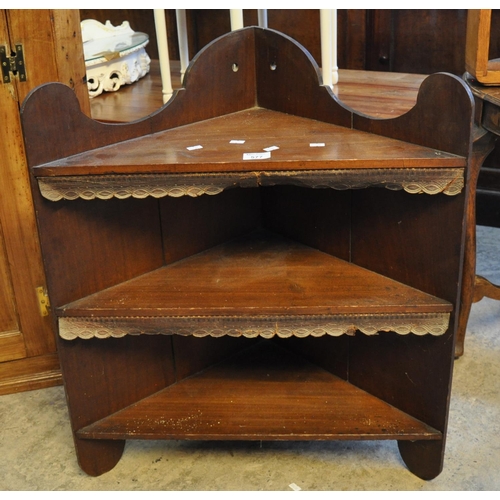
[261, 284]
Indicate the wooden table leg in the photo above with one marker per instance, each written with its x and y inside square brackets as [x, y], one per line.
[482, 148]
[484, 288]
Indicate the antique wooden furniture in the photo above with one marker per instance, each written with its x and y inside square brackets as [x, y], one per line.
[488, 117]
[381, 95]
[51, 51]
[255, 261]
[477, 48]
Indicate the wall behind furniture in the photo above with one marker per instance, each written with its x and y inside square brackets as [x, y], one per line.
[400, 40]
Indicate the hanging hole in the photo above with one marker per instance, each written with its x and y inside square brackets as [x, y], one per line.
[235, 67]
[273, 66]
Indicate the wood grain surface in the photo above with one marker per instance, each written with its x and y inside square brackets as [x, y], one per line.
[259, 274]
[263, 393]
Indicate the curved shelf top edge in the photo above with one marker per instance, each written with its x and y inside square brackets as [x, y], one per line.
[443, 101]
[266, 61]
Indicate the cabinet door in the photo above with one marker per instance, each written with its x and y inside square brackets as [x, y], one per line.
[52, 49]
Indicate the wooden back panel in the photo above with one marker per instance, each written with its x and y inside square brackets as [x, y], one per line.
[289, 80]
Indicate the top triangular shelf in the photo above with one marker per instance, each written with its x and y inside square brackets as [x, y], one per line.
[249, 73]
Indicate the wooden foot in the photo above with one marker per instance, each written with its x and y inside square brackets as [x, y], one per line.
[423, 458]
[96, 457]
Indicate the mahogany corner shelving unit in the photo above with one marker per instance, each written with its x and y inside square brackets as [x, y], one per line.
[309, 292]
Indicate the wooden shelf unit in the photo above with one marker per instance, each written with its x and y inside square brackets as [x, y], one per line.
[308, 294]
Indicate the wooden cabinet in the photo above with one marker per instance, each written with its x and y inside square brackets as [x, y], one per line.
[207, 287]
[51, 44]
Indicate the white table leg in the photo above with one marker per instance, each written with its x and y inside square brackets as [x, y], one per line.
[262, 17]
[335, 68]
[328, 27]
[180, 15]
[162, 39]
[236, 19]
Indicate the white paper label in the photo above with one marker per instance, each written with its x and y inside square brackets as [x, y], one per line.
[257, 156]
[271, 148]
[191, 148]
[317, 144]
[236, 141]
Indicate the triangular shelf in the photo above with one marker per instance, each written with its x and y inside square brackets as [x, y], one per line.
[263, 393]
[258, 285]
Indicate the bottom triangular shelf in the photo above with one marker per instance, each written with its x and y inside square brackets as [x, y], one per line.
[263, 393]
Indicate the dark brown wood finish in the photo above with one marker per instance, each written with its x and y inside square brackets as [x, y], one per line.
[486, 153]
[146, 263]
[276, 68]
[106, 242]
[319, 218]
[375, 93]
[451, 117]
[284, 277]
[488, 182]
[102, 377]
[166, 152]
[382, 95]
[393, 35]
[228, 92]
[368, 39]
[207, 221]
[482, 147]
[261, 394]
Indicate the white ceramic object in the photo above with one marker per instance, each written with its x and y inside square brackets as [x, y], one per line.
[114, 55]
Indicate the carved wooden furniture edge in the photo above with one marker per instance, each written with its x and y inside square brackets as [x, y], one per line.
[449, 181]
[435, 324]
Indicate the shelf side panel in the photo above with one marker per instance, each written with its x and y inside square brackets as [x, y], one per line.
[416, 240]
[54, 127]
[442, 118]
[88, 247]
[422, 247]
[102, 377]
[219, 80]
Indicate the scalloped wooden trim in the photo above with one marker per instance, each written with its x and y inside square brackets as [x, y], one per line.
[71, 328]
[449, 181]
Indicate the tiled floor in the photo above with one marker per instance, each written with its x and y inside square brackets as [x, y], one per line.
[36, 449]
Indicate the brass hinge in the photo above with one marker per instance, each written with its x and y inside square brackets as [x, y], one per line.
[43, 300]
[12, 63]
